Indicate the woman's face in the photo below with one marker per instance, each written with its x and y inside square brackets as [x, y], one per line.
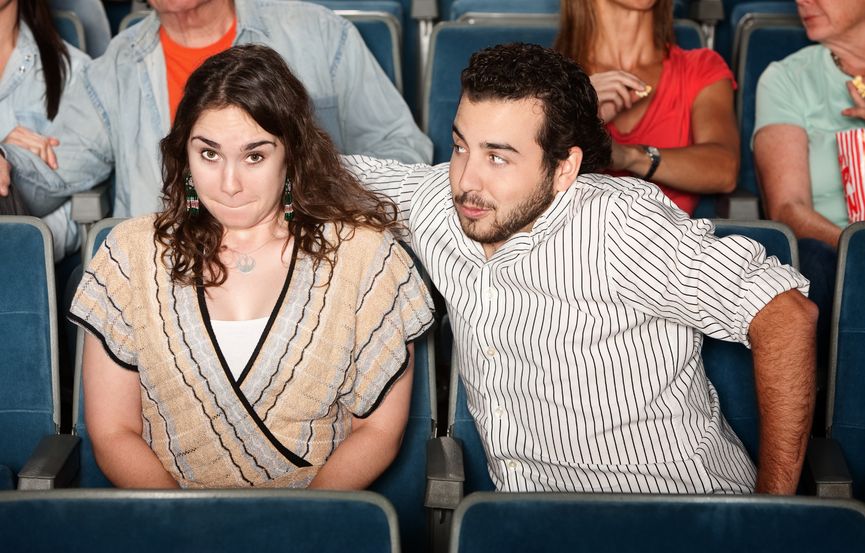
[238, 168]
[831, 19]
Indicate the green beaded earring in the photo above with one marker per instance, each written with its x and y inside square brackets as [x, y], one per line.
[191, 196]
[287, 202]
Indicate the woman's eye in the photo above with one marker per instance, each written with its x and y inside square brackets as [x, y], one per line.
[209, 155]
[255, 157]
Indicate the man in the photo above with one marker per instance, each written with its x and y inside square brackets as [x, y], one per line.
[117, 115]
[579, 301]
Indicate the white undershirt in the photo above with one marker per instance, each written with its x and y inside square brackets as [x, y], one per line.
[237, 340]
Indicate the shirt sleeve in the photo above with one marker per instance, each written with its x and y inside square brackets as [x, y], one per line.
[104, 301]
[706, 67]
[664, 264]
[393, 309]
[776, 99]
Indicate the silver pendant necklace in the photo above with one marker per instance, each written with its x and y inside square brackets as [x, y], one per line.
[243, 261]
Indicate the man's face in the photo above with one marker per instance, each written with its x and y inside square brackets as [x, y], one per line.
[498, 179]
[180, 6]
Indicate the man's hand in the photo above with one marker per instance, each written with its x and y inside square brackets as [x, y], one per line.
[858, 109]
[5, 176]
[42, 146]
[617, 92]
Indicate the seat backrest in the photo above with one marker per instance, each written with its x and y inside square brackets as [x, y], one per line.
[729, 365]
[103, 521]
[736, 13]
[846, 394]
[70, 28]
[89, 475]
[404, 482]
[579, 523]
[29, 390]
[763, 39]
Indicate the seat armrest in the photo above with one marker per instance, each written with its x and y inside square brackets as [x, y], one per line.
[91, 205]
[424, 9]
[739, 205]
[825, 473]
[707, 11]
[444, 473]
[54, 464]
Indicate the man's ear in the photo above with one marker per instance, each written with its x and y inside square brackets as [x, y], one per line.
[568, 169]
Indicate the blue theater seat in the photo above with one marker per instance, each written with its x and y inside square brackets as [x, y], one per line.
[846, 399]
[212, 521]
[29, 393]
[403, 483]
[762, 40]
[70, 28]
[579, 523]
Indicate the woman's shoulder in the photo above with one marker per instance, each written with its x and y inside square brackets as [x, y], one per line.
[133, 233]
[807, 59]
[361, 240]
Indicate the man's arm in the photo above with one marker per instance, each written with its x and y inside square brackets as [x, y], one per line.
[783, 343]
[375, 119]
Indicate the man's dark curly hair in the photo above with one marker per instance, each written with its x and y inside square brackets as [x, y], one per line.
[520, 71]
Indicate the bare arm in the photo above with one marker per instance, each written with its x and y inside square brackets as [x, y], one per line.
[783, 343]
[711, 164]
[781, 158]
[113, 417]
[373, 443]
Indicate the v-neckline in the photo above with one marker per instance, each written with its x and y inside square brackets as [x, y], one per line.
[205, 315]
[645, 117]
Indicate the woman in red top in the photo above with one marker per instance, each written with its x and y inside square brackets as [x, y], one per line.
[669, 111]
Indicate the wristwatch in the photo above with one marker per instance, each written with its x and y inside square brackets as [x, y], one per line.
[654, 158]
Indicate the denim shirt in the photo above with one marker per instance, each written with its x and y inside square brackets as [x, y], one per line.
[118, 112]
[22, 103]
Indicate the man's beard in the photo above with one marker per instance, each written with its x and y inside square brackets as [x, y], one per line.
[513, 221]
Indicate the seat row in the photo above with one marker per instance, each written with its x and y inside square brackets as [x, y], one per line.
[431, 475]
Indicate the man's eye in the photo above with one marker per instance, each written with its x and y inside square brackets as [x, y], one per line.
[458, 149]
[497, 160]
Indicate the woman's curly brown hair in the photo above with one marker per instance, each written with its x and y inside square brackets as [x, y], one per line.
[255, 79]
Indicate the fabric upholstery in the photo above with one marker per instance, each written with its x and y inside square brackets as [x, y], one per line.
[729, 365]
[26, 373]
[848, 415]
[648, 524]
[768, 42]
[69, 27]
[7, 480]
[735, 11]
[106, 521]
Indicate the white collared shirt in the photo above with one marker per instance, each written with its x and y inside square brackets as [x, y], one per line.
[579, 341]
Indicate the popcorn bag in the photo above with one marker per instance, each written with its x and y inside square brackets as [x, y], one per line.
[851, 158]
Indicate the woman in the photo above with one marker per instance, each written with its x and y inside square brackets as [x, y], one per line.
[802, 101]
[36, 66]
[668, 110]
[264, 315]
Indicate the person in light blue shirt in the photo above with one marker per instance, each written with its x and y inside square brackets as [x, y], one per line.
[120, 111]
[34, 76]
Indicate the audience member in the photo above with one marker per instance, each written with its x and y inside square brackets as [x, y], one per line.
[126, 101]
[263, 317]
[37, 68]
[669, 110]
[802, 101]
[579, 301]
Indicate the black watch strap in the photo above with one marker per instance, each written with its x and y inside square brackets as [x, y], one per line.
[655, 159]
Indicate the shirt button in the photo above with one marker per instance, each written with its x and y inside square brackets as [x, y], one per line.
[22, 69]
[491, 294]
[491, 352]
[512, 464]
[499, 412]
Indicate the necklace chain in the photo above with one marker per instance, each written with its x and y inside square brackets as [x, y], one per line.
[243, 261]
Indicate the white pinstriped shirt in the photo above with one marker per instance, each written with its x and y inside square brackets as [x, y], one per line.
[579, 341]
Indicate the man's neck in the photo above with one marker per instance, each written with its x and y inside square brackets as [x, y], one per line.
[199, 26]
